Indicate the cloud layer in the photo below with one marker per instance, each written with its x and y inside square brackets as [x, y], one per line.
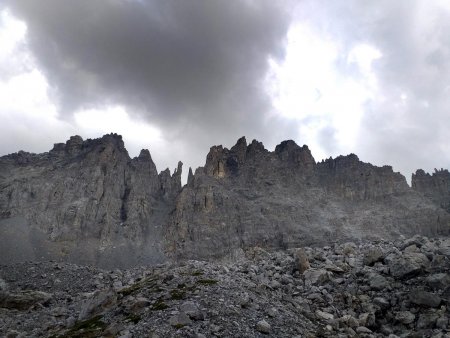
[370, 77]
[177, 63]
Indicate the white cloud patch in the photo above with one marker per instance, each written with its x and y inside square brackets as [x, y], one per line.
[309, 88]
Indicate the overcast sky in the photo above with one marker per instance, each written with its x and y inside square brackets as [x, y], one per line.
[370, 77]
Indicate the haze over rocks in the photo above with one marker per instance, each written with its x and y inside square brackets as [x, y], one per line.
[87, 201]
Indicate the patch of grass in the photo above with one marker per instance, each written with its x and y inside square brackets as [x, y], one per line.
[159, 305]
[177, 294]
[133, 318]
[207, 281]
[89, 328]
[197, 273]
[149, 283]
[129, 290]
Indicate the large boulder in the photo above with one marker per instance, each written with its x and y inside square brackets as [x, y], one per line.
[408, 264]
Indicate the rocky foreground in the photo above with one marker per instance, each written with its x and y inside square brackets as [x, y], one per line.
[382, 289]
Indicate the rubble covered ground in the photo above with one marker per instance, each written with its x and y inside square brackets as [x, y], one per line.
[374, 289]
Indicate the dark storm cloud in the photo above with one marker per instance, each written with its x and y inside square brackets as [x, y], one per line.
[184, 65]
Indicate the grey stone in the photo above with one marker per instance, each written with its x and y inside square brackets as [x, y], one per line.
[363, 329]
[373, 255]
[366, 319]
[383, 303]
[263, 327]
[192, 310]
[377, 282]
[424, 298]
[200, 335]
[316, 276]
[324, 315]
[13, 334]
[408, 265]
[3, 286]
[438, 281]
[442, 322]
[405, 317]
[98, 303]
[179, 320]
[23, 300]
[349, 320]
[427, 320]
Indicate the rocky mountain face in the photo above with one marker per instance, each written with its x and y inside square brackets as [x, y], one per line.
[89, 202]
[435, 186]
[248, 196]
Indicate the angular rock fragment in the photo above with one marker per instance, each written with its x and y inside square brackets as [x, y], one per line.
[316, 276]
[425, 298]
[263, 327]
[373, 255]
[408, 265]
[98, 303]
[23, 300]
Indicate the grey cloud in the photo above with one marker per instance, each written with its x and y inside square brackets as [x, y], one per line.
[195, 65]
[195, 68]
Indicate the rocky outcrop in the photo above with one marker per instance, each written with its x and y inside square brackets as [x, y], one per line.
[87, 201]
[247, 195]
[435, 186]
[91, 194]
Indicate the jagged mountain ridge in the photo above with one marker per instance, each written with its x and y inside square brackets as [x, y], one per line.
[88, 201]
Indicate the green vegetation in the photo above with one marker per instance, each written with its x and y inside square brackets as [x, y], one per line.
[197, 273]
[177, 294]
[159, 305]
[133, 318]
[88, 328]
[148, 283]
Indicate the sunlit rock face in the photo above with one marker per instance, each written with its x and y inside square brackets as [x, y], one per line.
[87, 201]
[248, 196]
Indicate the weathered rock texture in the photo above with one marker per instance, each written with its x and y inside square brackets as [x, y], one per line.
[89, 202]
[435, 186]
[260, 294]
[90, 199]
[248, 196]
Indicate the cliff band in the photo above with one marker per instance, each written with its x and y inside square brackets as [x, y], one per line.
[89, 202]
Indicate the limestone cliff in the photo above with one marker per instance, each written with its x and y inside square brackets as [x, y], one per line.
[435, 186]
[87, 201]
[90, 199]
[247, 196]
